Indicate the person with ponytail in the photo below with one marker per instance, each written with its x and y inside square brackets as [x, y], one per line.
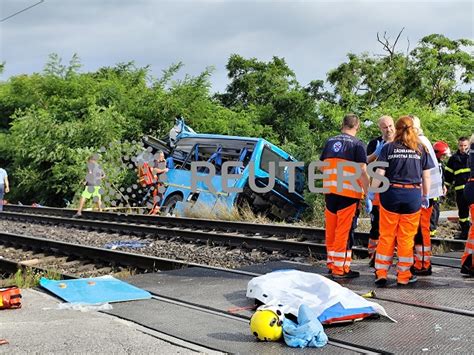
[408, 172]
[467, 260]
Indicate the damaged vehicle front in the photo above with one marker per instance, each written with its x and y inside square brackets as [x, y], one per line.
[265, 190]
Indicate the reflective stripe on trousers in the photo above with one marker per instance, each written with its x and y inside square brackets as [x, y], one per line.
[338, 228]
[400, 229]
[423, 240]
[372, 246]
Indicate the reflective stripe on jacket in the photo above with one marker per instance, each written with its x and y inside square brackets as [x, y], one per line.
[336, 166]
[457, 171]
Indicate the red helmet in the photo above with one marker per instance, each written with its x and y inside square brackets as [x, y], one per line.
[441, 148]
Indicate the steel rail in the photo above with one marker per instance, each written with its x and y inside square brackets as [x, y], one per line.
[182, 222]
[139, 261]
[264, 230]
[12, 266]
[317, 250]
[219, 312]
[229, 239]
[151, 263]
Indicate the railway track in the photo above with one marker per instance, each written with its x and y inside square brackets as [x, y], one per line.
[104, 258]
[214, 230]
[57, 253]
[294, 246]
[89, 254]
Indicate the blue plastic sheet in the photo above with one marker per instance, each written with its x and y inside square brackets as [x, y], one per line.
[94, 290]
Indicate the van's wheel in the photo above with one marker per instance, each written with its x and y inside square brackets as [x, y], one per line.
[170, 204]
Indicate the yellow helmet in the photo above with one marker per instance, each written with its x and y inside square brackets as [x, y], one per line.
[266, 323]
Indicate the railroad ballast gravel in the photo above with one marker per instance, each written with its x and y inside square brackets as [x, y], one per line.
[219, 256]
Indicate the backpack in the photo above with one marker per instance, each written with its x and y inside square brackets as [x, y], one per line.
[145, 175]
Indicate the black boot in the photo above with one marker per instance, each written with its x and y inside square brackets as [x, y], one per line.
[465, 226]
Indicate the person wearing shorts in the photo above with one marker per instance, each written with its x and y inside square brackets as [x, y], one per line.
[94, 176]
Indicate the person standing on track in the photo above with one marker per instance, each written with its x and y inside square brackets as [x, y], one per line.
[93, 179]
[467, 260]
[456, 174]
[387, 127]
[342, 201]
[408, 170]
[422, 265]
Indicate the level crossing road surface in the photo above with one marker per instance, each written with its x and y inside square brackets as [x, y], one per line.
[434, 315]
[204, 310]
[39, 327]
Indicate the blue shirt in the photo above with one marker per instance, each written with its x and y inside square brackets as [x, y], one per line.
[3, 175]
[345, 146]
[405, 166]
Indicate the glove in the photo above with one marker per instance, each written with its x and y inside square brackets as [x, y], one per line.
[368, 204]
[425, 202]
[378, 148]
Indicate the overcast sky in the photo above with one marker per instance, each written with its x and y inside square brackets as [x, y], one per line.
[313, 36]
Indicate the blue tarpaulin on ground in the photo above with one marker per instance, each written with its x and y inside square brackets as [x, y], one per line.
[94, 290]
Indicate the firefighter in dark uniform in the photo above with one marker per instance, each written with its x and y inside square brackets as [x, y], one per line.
[467, 261]
[456, 173]
[342, 202]
[409, 175]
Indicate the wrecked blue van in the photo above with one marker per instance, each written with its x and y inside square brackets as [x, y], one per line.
[186, 146]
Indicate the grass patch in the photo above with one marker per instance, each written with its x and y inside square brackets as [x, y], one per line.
[125, 273]
[28, 277]
[222, 212]
[442, 248]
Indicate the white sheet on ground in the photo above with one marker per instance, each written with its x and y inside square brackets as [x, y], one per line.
[291, 288]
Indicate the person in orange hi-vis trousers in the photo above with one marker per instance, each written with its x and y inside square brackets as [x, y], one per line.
[408, 171]
[387, 128]
[343, 195]
[422, 265]
[467, 260]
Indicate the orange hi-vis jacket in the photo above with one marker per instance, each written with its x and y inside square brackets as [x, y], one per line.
[339, 151]
[336, 167]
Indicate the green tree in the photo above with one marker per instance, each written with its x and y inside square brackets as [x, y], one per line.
[431, 73]
[438, 65]
[270, 92]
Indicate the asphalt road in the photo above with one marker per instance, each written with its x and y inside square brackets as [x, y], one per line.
[41, 328]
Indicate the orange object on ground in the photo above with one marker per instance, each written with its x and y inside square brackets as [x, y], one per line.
[400, 229]
[423, 241]
[10, 297]
[339, 228]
